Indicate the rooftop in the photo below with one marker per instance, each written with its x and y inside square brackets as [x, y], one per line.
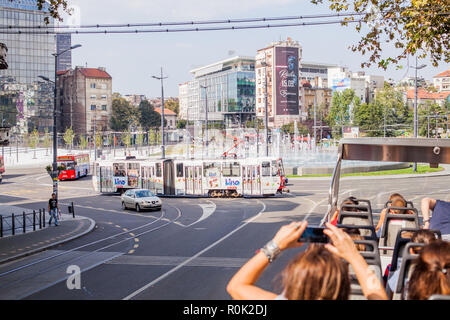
[166, 111]
[443, 74]
[94, 73]
[423, 94]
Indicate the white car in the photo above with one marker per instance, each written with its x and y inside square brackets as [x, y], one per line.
[140, 199]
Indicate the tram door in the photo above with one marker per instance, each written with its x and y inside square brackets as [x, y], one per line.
[193, 180]
[147, 175]
[252, 181]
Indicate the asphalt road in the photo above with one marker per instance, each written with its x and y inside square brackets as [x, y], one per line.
[189, 250]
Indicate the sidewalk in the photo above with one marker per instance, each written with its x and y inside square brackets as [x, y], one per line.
[15, 247]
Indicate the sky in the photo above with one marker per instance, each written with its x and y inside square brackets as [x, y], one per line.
[132, 59]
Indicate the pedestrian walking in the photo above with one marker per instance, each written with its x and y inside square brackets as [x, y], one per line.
[53, 209]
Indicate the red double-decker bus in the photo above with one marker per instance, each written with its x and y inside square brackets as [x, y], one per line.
[74, 166]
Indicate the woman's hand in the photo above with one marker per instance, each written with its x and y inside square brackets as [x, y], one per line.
[287, 237]
[342, 245]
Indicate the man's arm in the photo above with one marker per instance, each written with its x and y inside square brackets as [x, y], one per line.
[427, 204]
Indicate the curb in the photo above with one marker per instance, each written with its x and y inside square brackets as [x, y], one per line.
[443, 173]
[28, 253]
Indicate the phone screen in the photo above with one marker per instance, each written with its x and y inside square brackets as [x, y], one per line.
[313, 234]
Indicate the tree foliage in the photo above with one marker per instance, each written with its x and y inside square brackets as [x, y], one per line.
[415, 26]
[123, 115]
[148, 117]
[290, 128]
[54, 8]
[430, 118]
[173, 104]
[340, 113]
[68, 137]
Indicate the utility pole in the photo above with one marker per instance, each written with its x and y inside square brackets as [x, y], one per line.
[55, 134]
[163, 141]
[415, 106]
[95, 136]
[266, 113]
[315, 115]
[206, 117]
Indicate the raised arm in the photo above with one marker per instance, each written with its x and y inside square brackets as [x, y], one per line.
[344, 247]
[381, 221]
[427, 204]
[241, 286]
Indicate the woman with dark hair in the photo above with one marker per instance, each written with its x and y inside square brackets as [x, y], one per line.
[431, 272]
[318, 273]
[350, 201]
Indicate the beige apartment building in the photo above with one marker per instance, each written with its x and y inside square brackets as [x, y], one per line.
[85, 99]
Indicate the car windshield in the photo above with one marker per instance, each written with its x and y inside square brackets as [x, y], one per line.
[143, 194]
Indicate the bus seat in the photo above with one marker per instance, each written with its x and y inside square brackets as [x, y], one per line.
[361, 217]
[439, 297]
[393, 223]
[368, 230]
[372, 257]
[400, 243]
[406, 269]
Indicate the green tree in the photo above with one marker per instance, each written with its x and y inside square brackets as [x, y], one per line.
[123, 115]
[148, 117]
[369, 118]
[34, 140]
[68, 137]
[173, 104]
[140, 138]
[414, 27]
[47, 141]
[83, 142]
[127, 139]
[290, 128]
[55, 8]
[339, 114]
[427, 126]
[181, 124]
[152, 137]
[257, 124]
[99, 140]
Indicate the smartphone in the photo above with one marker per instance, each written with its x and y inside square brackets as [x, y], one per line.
[314, 234]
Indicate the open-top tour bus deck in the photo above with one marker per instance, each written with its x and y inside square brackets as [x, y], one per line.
[393, 242]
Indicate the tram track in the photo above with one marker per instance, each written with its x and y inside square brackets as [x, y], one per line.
[84, 256]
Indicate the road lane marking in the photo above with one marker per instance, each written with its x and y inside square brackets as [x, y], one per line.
[163, 276]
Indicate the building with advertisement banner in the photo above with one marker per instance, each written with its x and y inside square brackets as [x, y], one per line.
[279, 64]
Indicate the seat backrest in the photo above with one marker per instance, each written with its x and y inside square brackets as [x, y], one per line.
[393, 223]
[371, 254]
[406, 269]
[400, 243]
[361, 217]
[369, 231]
[439, 297]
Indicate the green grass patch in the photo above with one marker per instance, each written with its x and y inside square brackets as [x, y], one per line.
[420, 170]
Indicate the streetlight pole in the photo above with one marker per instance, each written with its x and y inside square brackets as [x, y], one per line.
[163, 141]
[206, 117]
[416, 129]
[55, 134]
[266, 115]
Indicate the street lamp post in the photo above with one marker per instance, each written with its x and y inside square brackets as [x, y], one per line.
[163, 141]
[206, 118]
[266, 129]
[55, 135]
[415, 105]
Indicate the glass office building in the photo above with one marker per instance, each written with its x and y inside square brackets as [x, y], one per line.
[63, 43]
[230, 92]
[26, 101]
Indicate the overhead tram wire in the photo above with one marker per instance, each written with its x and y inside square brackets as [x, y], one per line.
[204, 22]
[258, 26]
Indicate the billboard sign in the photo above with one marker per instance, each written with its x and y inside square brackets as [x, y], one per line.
[286, 81]
[351, 132]
[341, 85]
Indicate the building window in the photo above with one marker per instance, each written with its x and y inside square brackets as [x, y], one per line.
[93, 96]
[92, 85]
[93, 107]
[104, 96]
[104, 107]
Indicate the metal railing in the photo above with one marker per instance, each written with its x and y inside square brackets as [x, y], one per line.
[25, 221]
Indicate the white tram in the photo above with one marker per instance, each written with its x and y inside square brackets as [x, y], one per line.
[214, 178]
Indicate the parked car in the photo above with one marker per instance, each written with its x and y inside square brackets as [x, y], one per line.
[140, 199]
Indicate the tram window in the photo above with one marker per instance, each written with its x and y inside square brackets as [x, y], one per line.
[231, 169]
[211, 170]
[179, 170]
[266, 169]
[158, 170]
[119, 169]
[274, 169]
